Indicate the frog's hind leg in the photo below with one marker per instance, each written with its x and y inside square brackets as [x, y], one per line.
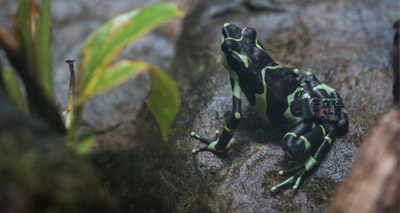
[289, 145]
[296, 145]
[319, 138]
[312, 85]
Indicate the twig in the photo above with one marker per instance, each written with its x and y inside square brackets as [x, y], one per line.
[7, 41]
[70, 111]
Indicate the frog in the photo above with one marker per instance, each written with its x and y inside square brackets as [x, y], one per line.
[312, 112]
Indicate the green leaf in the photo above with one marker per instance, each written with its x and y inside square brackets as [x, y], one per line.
[119, 73]
[85, 142]
[42, 48]
[33, 33]
[163, 100]
[113, 75]
[23, 30]
[13, 88]
[38, 91]
[104, 44]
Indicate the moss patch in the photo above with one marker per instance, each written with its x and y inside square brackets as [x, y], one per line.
[321, 190]
[286, 199]
[289, 42]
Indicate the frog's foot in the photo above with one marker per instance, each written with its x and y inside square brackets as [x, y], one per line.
[299, 172]
[211, 144]
[296, 178]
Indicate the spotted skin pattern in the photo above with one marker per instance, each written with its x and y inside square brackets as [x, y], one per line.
[277, 96]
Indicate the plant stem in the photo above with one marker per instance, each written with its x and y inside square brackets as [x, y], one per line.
[70, 111]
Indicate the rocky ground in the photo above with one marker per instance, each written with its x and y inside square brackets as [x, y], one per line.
[344, 43]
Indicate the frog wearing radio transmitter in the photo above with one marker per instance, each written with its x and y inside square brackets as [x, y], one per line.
[313, 111]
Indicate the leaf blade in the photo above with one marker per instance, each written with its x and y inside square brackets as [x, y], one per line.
[109, 39]
[163, 100]
[32, 29]
[119, 73]
[84, 143]
[42, 48]
[13, 88]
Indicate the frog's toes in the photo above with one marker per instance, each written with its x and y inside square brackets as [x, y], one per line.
[296, 179]
[211, 144]
[212, 147]
[291, 170]
[217, 134]
[284, 183]
[287, 182]
[230, 143]
[202, 149]
[296, 185]
[209, 147]
[198, 137]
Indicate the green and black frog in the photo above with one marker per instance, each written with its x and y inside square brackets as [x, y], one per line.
[313, 111]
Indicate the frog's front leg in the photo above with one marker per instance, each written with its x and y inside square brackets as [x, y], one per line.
[224, 140]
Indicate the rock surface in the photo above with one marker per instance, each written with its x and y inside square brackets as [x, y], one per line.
[345, 43]
[373, 182]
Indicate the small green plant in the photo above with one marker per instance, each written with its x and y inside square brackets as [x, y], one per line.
[29, 53]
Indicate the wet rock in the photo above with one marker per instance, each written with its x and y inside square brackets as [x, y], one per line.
[372, 182]
[396, 61]
[343, 42]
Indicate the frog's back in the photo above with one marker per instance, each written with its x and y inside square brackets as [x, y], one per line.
[283, 96]
[269, 87]
[279, 101]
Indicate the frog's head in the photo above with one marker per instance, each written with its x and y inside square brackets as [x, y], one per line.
[241, 52]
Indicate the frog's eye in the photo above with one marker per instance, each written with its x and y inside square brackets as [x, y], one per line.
[231, 44]
[250, 33]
